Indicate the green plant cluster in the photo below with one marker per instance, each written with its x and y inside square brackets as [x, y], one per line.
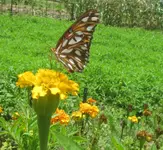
[33, 7]
[111, 129]
[125, 64]
[131, 13]
[125, 68]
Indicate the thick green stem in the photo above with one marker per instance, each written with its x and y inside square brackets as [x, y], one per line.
[43, 126]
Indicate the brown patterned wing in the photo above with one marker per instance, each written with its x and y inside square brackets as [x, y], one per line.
[72, 49]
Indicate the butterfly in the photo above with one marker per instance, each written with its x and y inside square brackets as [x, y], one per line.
[72, 49]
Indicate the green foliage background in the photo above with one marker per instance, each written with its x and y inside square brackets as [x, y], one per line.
[125, 64]
[132, 13]
[123, 13]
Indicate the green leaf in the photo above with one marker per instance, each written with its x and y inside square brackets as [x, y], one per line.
[153, 147]
[67, 142]
[117, 144]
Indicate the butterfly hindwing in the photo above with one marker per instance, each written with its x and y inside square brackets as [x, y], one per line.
[73, 47]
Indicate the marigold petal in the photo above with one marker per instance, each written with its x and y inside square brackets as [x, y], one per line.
[60, 117]
[38, 91]
[26, 79]
[54, 90]
[63, 96]
[133, 119]
[76, 115]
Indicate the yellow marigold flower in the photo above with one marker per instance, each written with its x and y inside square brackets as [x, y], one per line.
[88, 109]
[1, 110]
[60, 117]
[90, 100]
[15, 116]
[49, 81]
[48, 87]
[76, 115]
[133, 119]
[26, 79]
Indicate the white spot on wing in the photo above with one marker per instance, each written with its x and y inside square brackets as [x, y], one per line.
[66, 51]
[94, 18]
[63, 56]
[78, 53]
[79, 33]
[83, 48]
[89, 28]
[72, 41]
[77, 38]
[85, 45]
[86, 54]
[64, 43]
[57, 50]
[76, 58]
[71, 61]
[70, 66]
[86, 58]
[80, 65]
[85, 19]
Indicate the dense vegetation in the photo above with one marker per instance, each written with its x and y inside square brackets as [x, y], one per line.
[147, 13]
[125, 64]
[125, 69]
[122, 13]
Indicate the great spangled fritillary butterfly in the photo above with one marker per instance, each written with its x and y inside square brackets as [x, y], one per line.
[72, 49]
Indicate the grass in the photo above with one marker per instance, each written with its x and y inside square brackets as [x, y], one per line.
[125, 64]
[125, 68]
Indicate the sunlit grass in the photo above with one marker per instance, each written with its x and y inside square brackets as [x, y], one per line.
[125, 64]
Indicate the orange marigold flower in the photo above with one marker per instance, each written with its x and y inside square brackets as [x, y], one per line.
[86, 108]
[91, 100]
[133, 119]
[76, 115]
[94, 111]
[60, 117]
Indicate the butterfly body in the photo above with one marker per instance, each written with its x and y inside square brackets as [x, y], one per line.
[72, 49]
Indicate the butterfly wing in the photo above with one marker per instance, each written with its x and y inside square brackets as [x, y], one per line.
[72, 50]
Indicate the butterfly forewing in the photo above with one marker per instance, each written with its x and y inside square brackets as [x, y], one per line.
[73, 47]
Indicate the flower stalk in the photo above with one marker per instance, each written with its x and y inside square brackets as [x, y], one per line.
[43, 127]
[48, 87]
